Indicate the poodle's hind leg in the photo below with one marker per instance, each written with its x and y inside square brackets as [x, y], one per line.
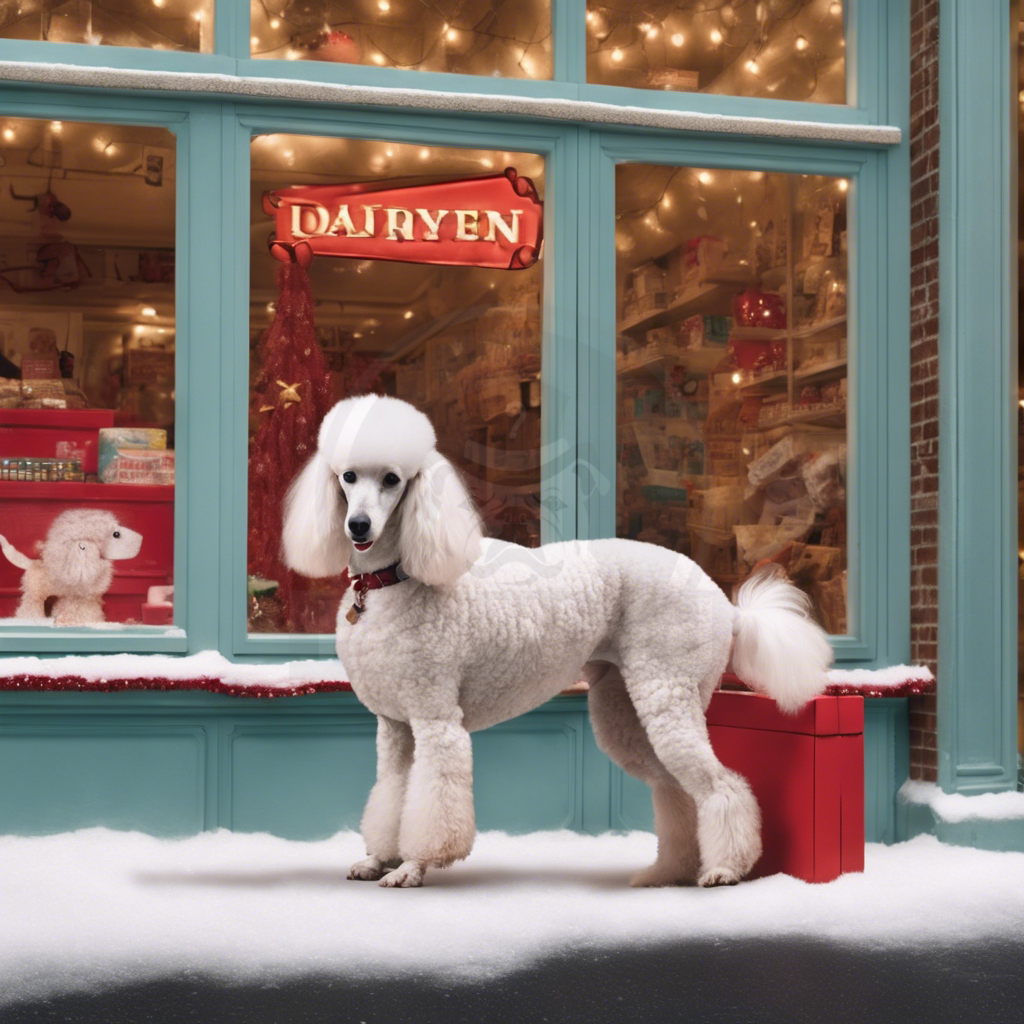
[383, 814]
[34, 592]
[728, 818]
[438, 823]
[621, 736]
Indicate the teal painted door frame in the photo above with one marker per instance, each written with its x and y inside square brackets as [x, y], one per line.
[977, 396]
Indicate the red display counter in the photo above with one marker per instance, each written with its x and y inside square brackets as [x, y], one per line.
[36, 433]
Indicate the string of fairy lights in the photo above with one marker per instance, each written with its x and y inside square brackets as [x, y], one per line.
[459, 35]
[688, 192]
[747, 47]
[152, 24]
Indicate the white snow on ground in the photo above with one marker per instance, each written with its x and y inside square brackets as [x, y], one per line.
[97, 908]
[959, 807]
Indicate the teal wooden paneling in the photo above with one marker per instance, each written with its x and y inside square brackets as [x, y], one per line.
[302, 768]
[528, 773]
[977, 396]
[298, 780]
[61, 775]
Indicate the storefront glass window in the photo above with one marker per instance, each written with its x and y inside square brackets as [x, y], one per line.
[732, 383]
[426, 284]
[780, 49]
[151, 24]
[506, 39]
[87, 373]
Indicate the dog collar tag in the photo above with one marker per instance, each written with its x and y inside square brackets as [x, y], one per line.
[353, 614]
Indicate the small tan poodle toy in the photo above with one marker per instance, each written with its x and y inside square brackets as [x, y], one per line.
[73, 566]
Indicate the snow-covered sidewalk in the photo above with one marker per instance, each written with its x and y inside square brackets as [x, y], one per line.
[97, 908]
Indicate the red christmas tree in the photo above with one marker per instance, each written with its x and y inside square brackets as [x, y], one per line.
[290, 397]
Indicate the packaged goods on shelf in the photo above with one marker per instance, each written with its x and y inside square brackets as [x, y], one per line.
[139, 466]
[115, 440]
[794, 446]
[648, 279]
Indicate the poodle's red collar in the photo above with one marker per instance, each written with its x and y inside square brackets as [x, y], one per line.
[364, 581]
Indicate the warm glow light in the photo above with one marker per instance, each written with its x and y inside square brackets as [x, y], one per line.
[383, 5]
[843, 184]
[705, 177]
[253, 41]
[736, 378]
[57, 126]
[801, 43]
[451, 35]
[752, 67]
[289, 154]
[716, 36]
[526, 64]
[148, 311]
[666, 201]
[8, 134]
[158, 3]
[389, 152]
[591, 17]
[835, 8]
[198, 16]
[275, 22]
[616, 55]
[377, 58]
[424, 154]
[678, 39]
[408, 314]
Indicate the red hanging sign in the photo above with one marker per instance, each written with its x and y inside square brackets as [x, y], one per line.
[496, 221]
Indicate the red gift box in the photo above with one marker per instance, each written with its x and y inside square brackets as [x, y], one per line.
[807, 772]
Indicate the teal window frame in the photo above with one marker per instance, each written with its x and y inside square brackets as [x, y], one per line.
[216, 128]
[557, 145]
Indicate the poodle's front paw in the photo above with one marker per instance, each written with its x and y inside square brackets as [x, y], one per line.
[408, 875]
[718, 876]
[368, 870]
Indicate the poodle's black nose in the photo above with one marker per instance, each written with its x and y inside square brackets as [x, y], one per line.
[359, 526]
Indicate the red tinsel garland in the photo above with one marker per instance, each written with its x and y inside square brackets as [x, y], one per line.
[291, 396]
[911, 687]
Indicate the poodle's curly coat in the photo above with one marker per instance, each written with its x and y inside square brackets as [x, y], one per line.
[73, 566]
[484, 631]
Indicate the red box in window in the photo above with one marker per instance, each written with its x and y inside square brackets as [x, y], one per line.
[807, 772]
[36, 433]
[28, 509]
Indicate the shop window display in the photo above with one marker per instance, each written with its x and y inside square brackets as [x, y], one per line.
[87, 371]
[779, 49]
[407, 270]
[732, 383]
[151, 24]
[506, 39]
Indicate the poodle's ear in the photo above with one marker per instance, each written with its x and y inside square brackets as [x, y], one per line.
[313, 538]
[77, 562]
[440, 531]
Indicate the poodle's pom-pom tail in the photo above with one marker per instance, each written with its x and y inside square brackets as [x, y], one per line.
[313, 537]
[778, 649]
[13, 555]
[440, 533]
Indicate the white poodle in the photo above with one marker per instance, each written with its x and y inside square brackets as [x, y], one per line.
[472, 634]
[73, 566]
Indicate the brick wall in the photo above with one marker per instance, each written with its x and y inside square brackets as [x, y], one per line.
[924, 373]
